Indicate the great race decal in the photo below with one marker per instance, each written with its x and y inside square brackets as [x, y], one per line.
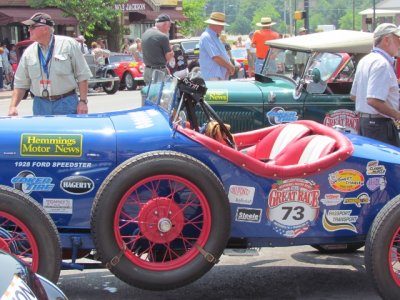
[343, 117]
[61, 145]
[278, 115]
[293, 206]
[27, 182]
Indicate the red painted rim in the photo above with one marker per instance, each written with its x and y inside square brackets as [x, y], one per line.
[394, 257]
[22, 242]
[157, 214]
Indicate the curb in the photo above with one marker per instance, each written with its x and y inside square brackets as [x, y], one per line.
[5, 95]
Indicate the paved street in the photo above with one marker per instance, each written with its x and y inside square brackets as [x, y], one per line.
[277, 273]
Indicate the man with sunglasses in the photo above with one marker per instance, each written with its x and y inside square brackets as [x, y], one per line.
[375, 88]
[52, 68]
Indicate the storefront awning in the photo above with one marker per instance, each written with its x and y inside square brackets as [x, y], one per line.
[174, 14]
[10, 15]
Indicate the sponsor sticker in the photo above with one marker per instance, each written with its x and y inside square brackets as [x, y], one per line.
[278, 115]
[66, 145]
[217, 96]
[27, 182]
[343, 117]
[18, 289]
[335, 220]
[293, 206]
[347, 180]
[362, 198]
[252, 215]
[77, 185]
[374, 168]
[142, 119]
[58, 206]
[241, 194]
[331, 199]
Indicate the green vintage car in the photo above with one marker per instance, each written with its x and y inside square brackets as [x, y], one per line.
[303, 77]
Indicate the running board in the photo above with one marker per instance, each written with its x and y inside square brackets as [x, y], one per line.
[241, 252]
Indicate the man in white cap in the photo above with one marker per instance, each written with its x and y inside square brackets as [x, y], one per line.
[52, 68]
[375, 88]
[214, 60]
[259, 39]
[156, 48]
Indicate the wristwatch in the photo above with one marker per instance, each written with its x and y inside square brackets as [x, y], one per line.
[83, 100]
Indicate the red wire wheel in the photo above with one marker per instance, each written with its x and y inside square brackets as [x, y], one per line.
[394, 257]
[160, 220]
[28, 233]
[163, 223]
[17, 239]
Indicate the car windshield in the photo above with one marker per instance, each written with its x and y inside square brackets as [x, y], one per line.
[162, 90]
[326, 63]
[119, 58]
[189, 45]
[239, 53]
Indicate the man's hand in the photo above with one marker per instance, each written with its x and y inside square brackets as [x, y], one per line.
[82, 108]
[12, 111]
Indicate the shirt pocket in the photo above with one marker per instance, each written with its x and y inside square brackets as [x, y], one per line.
[34, 70]
[62, 64]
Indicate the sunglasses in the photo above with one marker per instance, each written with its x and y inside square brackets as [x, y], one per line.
[35, 26]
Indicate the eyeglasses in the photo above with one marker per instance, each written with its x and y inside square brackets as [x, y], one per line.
[35, 26]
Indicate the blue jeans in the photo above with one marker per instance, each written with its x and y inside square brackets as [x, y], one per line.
[1, 77]
[64, 106]
[258, 65]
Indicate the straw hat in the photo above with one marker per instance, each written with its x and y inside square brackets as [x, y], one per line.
[266, 22]
[216, 18]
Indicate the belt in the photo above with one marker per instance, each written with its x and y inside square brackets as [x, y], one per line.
[373, 116]
[156, 67]
[58, 97]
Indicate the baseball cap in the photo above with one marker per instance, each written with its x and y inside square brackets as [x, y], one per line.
[163, 18]
[385, 29]
[39, 18]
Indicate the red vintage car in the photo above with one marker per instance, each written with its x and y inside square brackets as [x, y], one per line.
[129, 71]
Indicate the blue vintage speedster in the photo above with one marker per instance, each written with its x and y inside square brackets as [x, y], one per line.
[157, 197]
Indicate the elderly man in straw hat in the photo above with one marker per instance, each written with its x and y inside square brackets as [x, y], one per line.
[214, 60]
[259, 39]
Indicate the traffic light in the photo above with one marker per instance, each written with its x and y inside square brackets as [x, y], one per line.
[299, 15]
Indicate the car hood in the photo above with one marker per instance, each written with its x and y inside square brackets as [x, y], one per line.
[247, 90]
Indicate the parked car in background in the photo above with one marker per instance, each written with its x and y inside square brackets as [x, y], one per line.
[103, 76]
[129, 71]
[19, 282]
[190, 48]
[303, 77]
[240, 56]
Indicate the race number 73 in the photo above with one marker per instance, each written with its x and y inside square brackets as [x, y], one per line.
[296, 213]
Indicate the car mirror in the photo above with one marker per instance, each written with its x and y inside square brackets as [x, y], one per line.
[316, 75]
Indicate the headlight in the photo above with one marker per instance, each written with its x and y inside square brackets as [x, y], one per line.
[141, 69]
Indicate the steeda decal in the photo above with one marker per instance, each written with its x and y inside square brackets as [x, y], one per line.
[77, 185]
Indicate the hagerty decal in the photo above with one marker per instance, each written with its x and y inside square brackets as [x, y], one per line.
[346, 180]
[77, 185]
[334, 220]
[293, 206]
[241, 194]
[252, 215]
[27, 182]
[344, 117]
[69, 145]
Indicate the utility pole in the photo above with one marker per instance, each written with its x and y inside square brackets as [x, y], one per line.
[306, 19]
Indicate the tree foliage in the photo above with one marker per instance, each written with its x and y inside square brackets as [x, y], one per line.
[91, 14]
[195, 11]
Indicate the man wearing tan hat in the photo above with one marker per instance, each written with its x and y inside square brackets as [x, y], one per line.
[259, 39]
[375, 88]
[214, 60]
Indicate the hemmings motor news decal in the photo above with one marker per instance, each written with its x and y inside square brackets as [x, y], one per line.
[66, 145]
[217, 96]
[293, 206]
